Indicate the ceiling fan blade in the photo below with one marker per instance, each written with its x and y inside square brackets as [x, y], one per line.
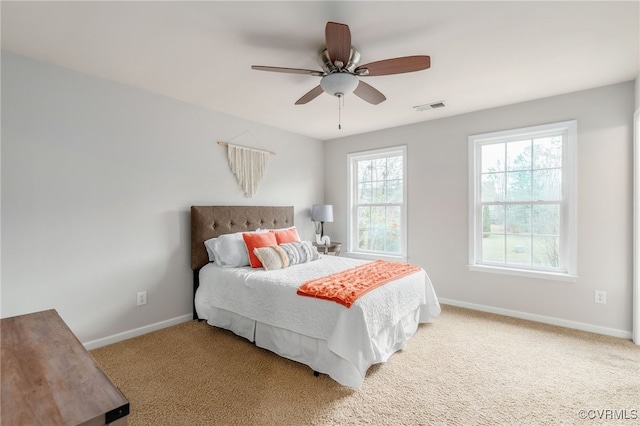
[369, 93]
[310, 95]
[338, 37]
[395, 66]
[287, 70]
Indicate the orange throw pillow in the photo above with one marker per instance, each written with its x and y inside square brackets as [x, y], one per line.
[283, 236]
[258, 240]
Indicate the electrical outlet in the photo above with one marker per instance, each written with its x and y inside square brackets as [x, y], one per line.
[141, 298]
[600, 297]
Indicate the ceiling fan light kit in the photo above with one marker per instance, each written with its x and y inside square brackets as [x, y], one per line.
[340, 71]
[339, 83]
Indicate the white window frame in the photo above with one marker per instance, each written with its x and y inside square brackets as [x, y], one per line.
[352, 226]
[566, 270]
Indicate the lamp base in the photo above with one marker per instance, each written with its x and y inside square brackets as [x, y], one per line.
[324, 240]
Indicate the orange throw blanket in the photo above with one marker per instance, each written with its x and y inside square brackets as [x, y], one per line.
[346, 286]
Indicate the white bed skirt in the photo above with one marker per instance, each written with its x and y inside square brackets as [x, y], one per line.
[313, 352]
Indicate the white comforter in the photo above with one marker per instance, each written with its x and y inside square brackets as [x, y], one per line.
[270, 297]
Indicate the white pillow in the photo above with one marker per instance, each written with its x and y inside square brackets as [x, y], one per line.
[229, 250]
[209, 246]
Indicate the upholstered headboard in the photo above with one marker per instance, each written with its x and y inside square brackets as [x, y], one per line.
[212, 221]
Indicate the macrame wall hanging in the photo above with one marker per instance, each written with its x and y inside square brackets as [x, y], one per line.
[248, 165]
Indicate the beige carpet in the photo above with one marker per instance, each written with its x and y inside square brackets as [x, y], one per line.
[466, 368]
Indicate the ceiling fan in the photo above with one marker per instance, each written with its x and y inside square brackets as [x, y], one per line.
[340, 70]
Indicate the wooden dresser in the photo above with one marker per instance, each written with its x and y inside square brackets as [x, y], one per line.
[48, 378]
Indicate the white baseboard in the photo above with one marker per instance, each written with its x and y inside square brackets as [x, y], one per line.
[623, 334]
[115, 338]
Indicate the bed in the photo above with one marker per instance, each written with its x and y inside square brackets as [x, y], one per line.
[263, 305]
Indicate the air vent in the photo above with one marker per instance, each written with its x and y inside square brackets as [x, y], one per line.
[433, 105]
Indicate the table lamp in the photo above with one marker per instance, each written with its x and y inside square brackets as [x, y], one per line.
[322, 213]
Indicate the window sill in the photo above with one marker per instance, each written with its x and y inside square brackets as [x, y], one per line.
[554, 276]
[367, 256]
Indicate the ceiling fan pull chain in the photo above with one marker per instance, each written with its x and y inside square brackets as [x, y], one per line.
[339, 115]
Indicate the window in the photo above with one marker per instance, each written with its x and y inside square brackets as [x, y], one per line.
[377, 194]
[522, 198]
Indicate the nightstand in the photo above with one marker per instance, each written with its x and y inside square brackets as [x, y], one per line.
[329, 248]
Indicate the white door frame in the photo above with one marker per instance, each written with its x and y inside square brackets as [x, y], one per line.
[636, 226]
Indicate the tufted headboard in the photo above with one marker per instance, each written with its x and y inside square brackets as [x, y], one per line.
[212, 221]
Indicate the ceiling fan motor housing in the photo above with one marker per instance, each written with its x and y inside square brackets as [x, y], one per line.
[328, 66]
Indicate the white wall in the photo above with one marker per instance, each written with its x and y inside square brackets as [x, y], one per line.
[97, 181]
[438, 207]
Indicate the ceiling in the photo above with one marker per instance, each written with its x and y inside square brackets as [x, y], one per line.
[483, 54]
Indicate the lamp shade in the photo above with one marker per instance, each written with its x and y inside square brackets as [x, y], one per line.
[322, 213]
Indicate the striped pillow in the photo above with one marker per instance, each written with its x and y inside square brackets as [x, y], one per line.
[285, 255]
